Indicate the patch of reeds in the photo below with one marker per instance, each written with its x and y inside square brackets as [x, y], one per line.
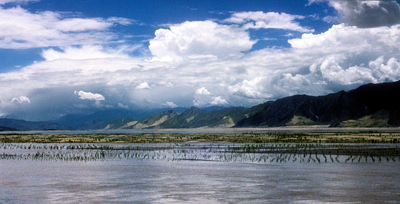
[250, 137]
[221, 152]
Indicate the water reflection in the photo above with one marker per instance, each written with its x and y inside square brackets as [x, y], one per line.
[158, 181]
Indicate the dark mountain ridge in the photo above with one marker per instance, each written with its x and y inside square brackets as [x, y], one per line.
[378, 96]
[331, 109]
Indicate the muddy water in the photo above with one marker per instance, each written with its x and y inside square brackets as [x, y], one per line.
[160, 181]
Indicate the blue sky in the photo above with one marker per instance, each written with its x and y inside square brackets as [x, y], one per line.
[80, 56]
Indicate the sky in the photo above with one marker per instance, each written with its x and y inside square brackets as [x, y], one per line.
[82, 56]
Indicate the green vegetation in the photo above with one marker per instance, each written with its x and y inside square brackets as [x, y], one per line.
[230, 147]
[250, 137]
[378, 119]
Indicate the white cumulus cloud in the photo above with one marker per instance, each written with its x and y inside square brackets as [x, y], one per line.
[203, 97]
[89, 96]
[218, 100]
[170, 104]
[259, 19]
[143, 85]
[202, 92]
[21, 100]
[386, 72]
[199, 39]
[82, 53]
[349, 55]
[22, 29]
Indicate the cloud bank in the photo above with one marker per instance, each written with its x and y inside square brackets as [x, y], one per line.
[259, 19]
[201, 63]
[365, 14]
[197, 40]
[15, 1]
[21, 29]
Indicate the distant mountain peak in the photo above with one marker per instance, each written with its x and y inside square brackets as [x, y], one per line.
[193, 108]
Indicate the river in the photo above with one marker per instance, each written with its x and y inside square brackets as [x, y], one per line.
[138, 180]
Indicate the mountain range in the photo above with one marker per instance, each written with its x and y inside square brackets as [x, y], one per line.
[360, 107]
[101, 119]
[191, 118]
[370, 105]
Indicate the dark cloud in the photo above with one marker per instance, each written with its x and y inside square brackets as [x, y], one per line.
[368, 14]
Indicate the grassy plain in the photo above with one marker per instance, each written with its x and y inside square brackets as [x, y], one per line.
[249, 137]
[238, 146]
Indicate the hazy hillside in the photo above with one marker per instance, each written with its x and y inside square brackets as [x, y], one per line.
[101, 119]
[191, 118]
[120, 124]
[155, 120]
[27, 125]
[196, 117]
[7, 129]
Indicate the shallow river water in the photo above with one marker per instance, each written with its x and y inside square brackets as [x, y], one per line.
[162, 181]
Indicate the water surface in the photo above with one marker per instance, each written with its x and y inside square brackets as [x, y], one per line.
[121, 180]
